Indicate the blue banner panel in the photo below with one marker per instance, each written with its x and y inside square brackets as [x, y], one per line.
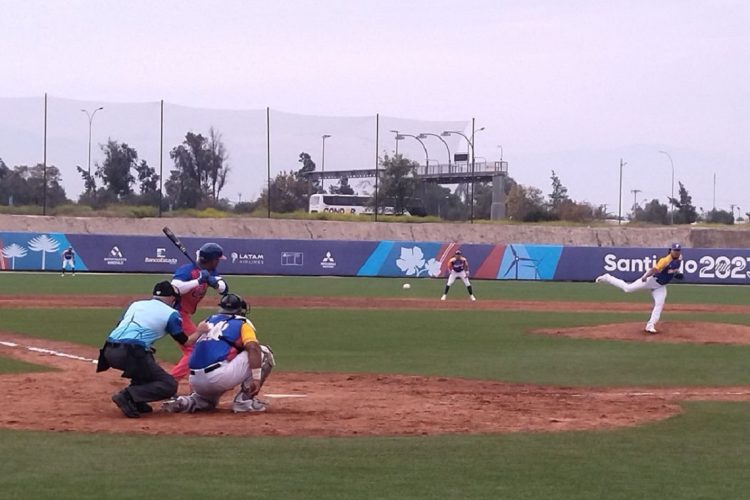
[700, 265]
[35, 252]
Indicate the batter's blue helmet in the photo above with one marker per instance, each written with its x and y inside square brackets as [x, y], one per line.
[210, 251]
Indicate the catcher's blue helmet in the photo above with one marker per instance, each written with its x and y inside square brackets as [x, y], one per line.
[210, 251]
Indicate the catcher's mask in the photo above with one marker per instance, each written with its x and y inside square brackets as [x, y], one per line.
[234, 304]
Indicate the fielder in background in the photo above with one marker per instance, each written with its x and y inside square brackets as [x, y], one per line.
[192, 282]
[459, 268]
[69, 260]
[129, 348]
[655, 279]
[226, 356]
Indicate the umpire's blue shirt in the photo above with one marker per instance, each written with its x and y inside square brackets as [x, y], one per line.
[145, 322]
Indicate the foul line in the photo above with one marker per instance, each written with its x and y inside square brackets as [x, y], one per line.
[48, 351]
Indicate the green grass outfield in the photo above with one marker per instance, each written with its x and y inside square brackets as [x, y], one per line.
[703, 453]
[135, 284]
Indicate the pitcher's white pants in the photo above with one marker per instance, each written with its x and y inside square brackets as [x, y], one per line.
[658, 292]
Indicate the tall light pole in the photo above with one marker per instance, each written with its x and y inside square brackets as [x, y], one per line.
[501, 152]
[426, 155]
[470, 142]
[396, 132]
[323, 164]
[424, 135]
[619, 211]
[91, 120]
[671, 217]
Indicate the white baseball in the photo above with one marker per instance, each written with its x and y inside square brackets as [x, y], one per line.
[406, 286]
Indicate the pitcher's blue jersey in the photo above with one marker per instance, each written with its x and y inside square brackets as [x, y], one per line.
[226, 331]
[145, 322]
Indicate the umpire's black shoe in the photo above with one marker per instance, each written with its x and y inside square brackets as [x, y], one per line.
[126, 404]
[143, 408]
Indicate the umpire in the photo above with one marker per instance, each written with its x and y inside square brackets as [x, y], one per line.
[128, 348]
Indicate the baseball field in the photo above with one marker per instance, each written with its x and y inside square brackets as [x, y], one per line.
[537, 390]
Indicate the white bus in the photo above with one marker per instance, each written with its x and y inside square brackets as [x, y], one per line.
[346, 204]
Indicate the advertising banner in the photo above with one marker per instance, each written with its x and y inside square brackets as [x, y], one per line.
[410, 259]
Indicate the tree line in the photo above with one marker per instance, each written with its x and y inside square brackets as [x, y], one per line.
[201, 167]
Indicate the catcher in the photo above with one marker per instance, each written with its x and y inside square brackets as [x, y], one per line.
[226, 356]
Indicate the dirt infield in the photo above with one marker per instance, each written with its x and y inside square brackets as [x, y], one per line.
[74, 398]
[669, 332]
[89, 301]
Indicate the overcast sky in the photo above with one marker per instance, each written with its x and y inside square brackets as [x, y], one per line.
[569, 85]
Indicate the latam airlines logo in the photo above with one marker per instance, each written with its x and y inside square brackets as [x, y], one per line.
[115, 257]
[248, 258]
[161, 258]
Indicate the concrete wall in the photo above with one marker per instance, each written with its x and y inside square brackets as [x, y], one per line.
[332, 230]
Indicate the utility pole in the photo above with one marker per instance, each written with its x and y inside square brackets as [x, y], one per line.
[619, 212]
[635, 197]
[714, 191]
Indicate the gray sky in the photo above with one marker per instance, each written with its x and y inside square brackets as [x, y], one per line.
[569, 85]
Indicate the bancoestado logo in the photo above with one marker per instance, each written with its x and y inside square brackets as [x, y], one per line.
[115, 257]
[248, 258]
[707, 266]
[161, 258]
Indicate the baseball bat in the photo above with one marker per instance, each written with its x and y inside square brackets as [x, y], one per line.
[174, 239]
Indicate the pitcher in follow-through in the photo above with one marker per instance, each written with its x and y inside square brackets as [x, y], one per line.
[655, 279]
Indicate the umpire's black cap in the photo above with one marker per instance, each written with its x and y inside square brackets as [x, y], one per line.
[165, 289]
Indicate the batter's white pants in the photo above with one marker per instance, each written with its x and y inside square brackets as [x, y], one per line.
[453, 275]
[658, 293]
[209, 387]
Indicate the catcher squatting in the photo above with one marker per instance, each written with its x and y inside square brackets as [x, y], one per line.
[227, 353]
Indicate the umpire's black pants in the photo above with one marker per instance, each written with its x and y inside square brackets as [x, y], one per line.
[148, 381]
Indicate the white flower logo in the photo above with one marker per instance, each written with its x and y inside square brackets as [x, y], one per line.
[412, 263]
[433, 267]
[13, 252]
[411, 260]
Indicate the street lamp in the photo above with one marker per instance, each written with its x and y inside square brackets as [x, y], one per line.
[447, 133]
[397, 139]
[91, 119]
[424, 135]
[619, 211]
[426, 155]
[323, 164]
[671, 218]
[501, 152]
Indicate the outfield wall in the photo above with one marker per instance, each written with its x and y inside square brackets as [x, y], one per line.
[386, 258]
[246, 227]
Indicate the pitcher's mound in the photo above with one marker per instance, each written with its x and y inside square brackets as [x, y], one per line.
[671, 332]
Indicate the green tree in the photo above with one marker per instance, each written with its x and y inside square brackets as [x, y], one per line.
[397, 181]
[115, 170]
[685, 211]
[719, 217]
[559, 194]
[200, 170]
[289, 193]
[24, 185]
[653, 212]
[526, 204]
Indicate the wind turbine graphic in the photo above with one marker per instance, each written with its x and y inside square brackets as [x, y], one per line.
[517, 259]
